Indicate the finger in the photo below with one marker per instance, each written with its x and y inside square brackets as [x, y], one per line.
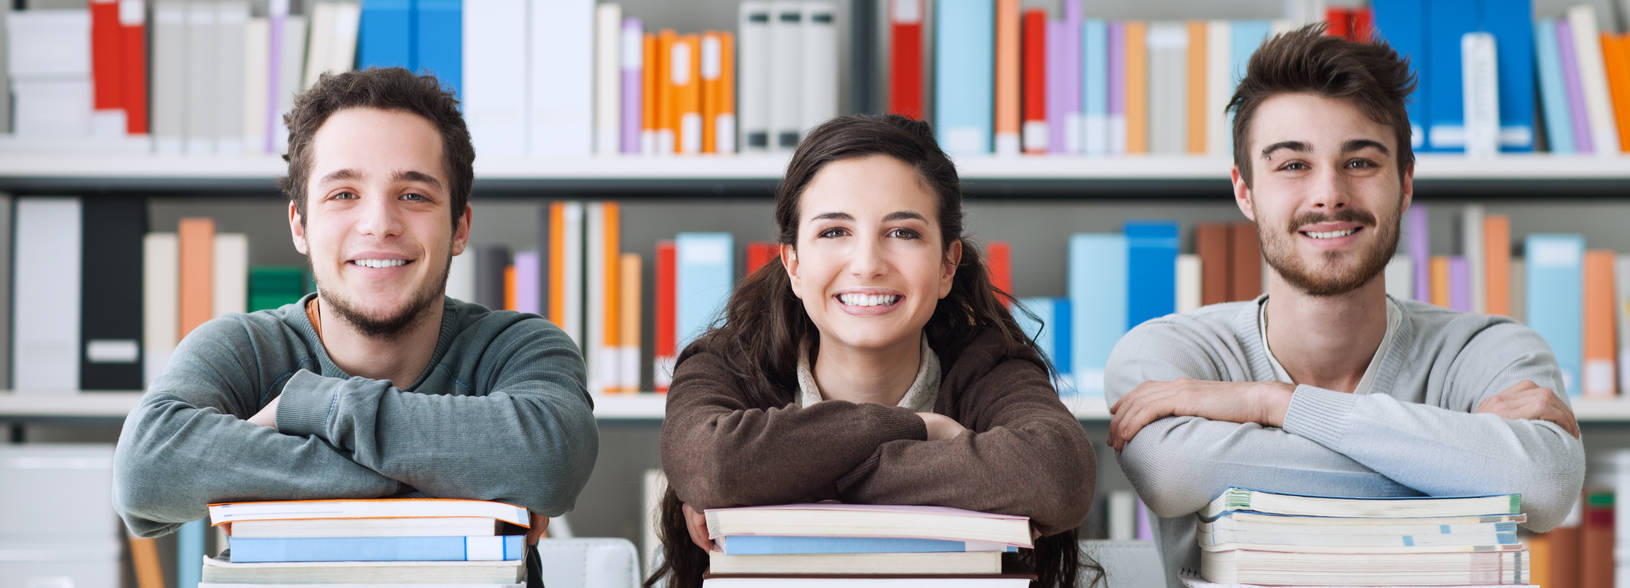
[697, 524]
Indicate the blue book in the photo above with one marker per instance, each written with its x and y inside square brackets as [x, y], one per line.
[438, 40]
[1097, 291]
[705, 277]
[1553, 94]
[1095, 84]
[1040, 327]
[1063, 349]
[773, 545]
[1402, 24]
[964, 75]
[1512, 23]
[189, 554]
[1244, 36]
[476, 548]
[385, 34]
[1151, 261]
[1447, 21]
[1555, 265]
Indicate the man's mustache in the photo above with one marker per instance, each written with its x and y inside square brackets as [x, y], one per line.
[1346, 215]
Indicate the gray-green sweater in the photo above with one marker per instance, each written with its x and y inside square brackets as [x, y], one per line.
[1413, 432]
[500, 413]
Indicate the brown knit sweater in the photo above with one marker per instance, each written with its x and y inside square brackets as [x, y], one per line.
[1026, 454]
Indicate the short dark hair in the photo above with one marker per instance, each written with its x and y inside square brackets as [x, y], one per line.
[1370, 74]
[384, 88]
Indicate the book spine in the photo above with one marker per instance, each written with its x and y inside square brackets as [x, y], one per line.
[1402, 24]
[1219, 87]
[1211, 244]
[664, 342]
[906, 58]
[1188, 282]
[527, 266]
[1573, 84]
[1597, 378]
[1616, 56]
[494, 34]
[1480, 93]
[1621, 315]
[999, 261]
[1245, 262]
[110, 313]
[1553, 91]
[1097, 290]
[1593, 78]
[786, 77]
[964, 55]
[1136, 86]
[1415, 235]
[632, 55]
[322, 549]
[1511, 24]
[1554, 298]
[1009, 79]
[1115, 72]
[1073, 110]
[1439, 265]
[1152, 270]
[629, 287]
[1473, 247]
[1033, 131]
[1055, 82]
[561, 93]
[608, 77]
[819, 57]
[1196, 89]
[1460, 286]
[704, 280]
[1095, 86]
[756, 63]
[1063, 348]
[1497, 264]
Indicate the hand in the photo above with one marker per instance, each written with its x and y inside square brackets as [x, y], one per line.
[267, 417]
[696, 523]
[540, 527]
[1238, 402]
[941, 427]
[1528, 401]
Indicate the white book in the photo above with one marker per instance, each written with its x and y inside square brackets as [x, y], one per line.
[461, 274]
[632, 56]
[161, 318]
[1480, 93]
[608, 87]
[1123, 513]
[342, 48]
[820, 65]
[753, 77]
[595, 308]
[167, 73]
[48, 43]
[724, 123]
[321, 16]
[288, 81]
[652, 486]
[1219, 87]
[1168, 88]
[786, 75]
[493, 96]
[1471, 245]
[231, 17]
[1621, 306]
[1400, 278]
[52, 108]
[572, 273]
[257, 81]
[230, 274]
[562, 78]
[1188, 282]
[1519, 290]
[1587, 43]
[201, 72]
[46, 295]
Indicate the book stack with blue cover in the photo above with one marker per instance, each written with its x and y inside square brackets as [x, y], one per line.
[829, 544]
[386, 542]
[1253, 537]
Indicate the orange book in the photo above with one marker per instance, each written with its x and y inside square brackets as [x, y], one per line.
[710, 91]
[649, 96]
[1197, 84]
[196, 237]
[1440, 280]
[1137, 86]
[510, 298]
[144, 558]
[629, 324]
[611, 338]
[685, 66]
[1541, 556]
[724, 117]
[557, 263]
[1616, 57]
[1007, 76]
[1497, 264]
[1600, 381]
[667, 115]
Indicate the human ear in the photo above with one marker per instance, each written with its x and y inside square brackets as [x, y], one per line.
[953, 257]
[789, 262]
[1242, 193]
[297, 230]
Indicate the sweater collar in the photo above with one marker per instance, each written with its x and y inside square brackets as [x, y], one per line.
[919, 397]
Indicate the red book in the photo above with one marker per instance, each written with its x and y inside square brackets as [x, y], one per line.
[761, 253]
[906, 58]
[1034, 56]
[1245, 262]
[1338, 22]
[107, 83]
[999, 258]
[662, 347]
[1362, 25]
[133, 35]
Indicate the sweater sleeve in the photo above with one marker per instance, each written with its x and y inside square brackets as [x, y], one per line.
[526, 435]
[1024, 454]
[1445, 449]
[718, 451]
[186, 443]
[1178, 464]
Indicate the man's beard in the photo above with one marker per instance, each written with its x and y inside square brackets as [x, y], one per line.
[1280, 252]
[389, 327]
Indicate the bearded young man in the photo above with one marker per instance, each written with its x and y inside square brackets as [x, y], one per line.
[1325, 385]
[377, 385]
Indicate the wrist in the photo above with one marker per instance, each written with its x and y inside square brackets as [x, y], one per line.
[1274, 400]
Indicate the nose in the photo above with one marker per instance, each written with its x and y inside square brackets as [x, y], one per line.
[1329, 190]
[379, 217]
[866, 259]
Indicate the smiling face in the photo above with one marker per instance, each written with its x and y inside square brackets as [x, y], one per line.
[1326, 192]
[378, 229]
[869, 263]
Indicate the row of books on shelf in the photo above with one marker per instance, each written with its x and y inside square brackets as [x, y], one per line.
[594, 80]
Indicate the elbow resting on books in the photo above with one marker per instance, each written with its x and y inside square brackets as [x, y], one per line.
[1263, 403]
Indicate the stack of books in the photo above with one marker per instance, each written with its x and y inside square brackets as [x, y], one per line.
[828, 544]
[376, 542]
[1255, 537]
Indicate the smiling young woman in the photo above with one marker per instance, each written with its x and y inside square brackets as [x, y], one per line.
[875, 364]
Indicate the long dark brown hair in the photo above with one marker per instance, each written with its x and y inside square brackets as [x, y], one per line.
[764, 322]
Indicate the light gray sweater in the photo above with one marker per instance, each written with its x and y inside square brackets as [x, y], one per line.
[1412, 434]
[499, 413]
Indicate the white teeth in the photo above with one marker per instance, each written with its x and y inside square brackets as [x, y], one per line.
[379, 263]
[1330, 234]
[868, 299]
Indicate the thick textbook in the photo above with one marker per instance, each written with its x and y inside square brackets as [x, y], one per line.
[862, 520]
[1371, 569]
[770, 544]
[381, 527]
[446, 548]
[231, 512]
[353, 572]
[968, 562]
[1246, 499]
[876, 581]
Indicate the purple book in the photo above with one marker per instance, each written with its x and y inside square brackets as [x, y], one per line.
[1055, 86]
[279, 11]
[527, 269]
[1075, 140]
[1460, 284]
[1420, 250]
[1117, 87]
[633, 50]
[1575, 90]
[1144, 532]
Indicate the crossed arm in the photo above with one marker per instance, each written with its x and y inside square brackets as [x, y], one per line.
[1185, 431]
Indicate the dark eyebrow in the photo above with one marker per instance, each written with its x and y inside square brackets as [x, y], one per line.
[834, 216]
[340, 174]
[1361, 144]
[904, 215]
[1297, 146]
[415, 176]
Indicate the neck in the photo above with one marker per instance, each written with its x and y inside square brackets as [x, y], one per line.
[399, 358]
[878, 376]
[1326, 341]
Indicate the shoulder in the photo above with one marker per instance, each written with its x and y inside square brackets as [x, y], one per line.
[473, 325]
[254, 333]
[1485, 337]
